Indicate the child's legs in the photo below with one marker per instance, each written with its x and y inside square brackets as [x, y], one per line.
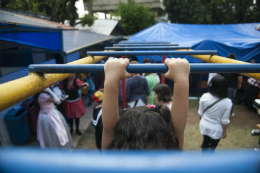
[213, 144]
[232, 93]
[77, 123]
[205, 143]
[90, 94]
[71, 123]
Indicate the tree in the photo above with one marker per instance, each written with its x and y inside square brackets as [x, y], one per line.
[212, 11]
[89, 5]
[135, 17]
[59, 10]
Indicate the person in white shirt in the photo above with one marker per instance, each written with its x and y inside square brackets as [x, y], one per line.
[163, 95]
[214, 109]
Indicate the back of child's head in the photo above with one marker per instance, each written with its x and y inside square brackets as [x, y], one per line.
[218, 87]
[146, 60]
[163, 92]
[231, 56]
[98, 96]
[144, 128]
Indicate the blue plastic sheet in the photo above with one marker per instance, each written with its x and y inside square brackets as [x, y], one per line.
[241, 39]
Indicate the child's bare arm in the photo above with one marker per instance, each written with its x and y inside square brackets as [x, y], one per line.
[179, 70]
[114, 72]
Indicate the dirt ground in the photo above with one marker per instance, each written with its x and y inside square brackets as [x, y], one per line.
[238, 134]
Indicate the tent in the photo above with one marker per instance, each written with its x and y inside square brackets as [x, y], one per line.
[241, 39]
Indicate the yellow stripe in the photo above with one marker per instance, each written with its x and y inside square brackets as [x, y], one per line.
[17, 90]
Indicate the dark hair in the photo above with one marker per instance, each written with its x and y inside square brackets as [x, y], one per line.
[35, 99]
[144, 128]
[145, 60]
[231, 56]
[218, 87]
[134, 62]
[163, 92]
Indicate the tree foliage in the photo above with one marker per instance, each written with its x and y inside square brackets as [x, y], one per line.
[135, 17]
[212, 11]
[59, 10]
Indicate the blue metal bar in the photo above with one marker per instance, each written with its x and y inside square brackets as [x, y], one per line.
[59, 161]
[148, 48]
[143, 42]
[145, 68]
[133, 53]
[145, 45]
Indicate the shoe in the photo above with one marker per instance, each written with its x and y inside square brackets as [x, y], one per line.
[232, 115]
[71, 131]
[256, 103]
[78, 132]
[255, 132]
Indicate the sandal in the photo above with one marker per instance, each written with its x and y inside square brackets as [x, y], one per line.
[255, 132]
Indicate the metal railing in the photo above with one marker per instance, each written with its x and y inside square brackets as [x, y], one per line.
[18, 90]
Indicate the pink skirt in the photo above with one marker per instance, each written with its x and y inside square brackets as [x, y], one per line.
[74, 109]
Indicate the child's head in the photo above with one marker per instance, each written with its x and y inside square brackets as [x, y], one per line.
[144, 128]
[98, 96]
[231, 56]
[162, 93]
[146, 61]
[219, 87]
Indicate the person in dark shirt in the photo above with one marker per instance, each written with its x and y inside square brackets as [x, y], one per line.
[97, 119]
[137, 87]
[234, 83]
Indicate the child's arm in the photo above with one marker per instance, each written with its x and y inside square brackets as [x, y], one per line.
[115, 70]
[178, 71]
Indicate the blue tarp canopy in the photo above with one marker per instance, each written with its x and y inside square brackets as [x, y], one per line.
[241, 39]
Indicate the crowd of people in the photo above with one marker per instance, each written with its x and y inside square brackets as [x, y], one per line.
[159, 124]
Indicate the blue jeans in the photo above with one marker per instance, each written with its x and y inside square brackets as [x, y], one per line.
[90, 94]
[232, 92]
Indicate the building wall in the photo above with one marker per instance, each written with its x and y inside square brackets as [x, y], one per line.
[36, 57]
[71, 57]
[4, 135]
[112, 5]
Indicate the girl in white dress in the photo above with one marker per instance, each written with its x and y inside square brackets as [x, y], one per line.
[52, 129]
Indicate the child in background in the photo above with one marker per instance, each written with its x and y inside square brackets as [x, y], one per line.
[74, 105]
[146, 127]
[163, 95]
[97, 117]
[52, 129]
[91, 89]
[136, 88]
[214, 109]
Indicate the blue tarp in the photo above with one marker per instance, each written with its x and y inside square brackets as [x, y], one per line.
[241, 39]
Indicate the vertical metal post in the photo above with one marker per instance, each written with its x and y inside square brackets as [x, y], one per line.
[61, 44]
[162, 78]
[123, 91]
